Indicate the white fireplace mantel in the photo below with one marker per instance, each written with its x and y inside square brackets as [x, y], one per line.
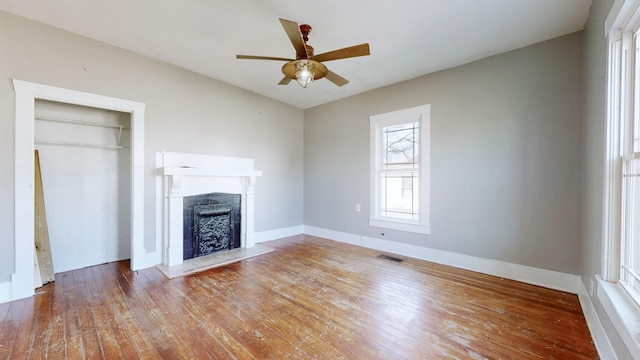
[182, 174]
[190, 171]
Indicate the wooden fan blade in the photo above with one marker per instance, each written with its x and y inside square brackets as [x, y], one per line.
[255, 57]
[336, 79]
[352, 51]
[293, 32]
[285, 81]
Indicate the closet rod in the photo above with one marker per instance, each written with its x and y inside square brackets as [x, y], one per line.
[79, 122]
[77, 144]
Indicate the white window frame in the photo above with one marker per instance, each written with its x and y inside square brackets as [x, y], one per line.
[419, 114]
[622, 94]
[620, 118]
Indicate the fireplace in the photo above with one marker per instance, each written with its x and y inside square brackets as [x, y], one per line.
[181, 176]
[211, 223]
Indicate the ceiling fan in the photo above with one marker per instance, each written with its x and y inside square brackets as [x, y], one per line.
[307, 67]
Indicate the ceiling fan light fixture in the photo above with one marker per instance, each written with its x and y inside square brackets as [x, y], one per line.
[305, 72]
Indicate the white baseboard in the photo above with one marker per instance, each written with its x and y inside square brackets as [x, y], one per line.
[531, 275]
[269, 235]
[5, 291]
[535, 276]
[598, 334]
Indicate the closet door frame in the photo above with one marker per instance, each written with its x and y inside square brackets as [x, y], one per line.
[25, 95]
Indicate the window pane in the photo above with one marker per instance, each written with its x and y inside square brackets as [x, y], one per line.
[394, 187]
[399, 146]
[630, 249]
[407, 186]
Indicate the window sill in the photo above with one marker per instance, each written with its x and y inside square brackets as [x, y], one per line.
[402, 226]
[623, 312]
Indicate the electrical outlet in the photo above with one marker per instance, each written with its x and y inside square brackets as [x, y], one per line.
[358, 208]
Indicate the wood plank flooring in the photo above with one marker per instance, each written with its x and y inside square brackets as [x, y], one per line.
[309, 299]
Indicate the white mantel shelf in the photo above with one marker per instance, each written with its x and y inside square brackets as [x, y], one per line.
[193, 171]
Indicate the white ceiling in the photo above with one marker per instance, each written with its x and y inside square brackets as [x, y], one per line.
[408, 38]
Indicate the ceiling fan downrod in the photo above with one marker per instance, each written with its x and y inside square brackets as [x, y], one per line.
[305, 29]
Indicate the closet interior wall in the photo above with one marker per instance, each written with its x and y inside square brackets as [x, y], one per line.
[86, 173]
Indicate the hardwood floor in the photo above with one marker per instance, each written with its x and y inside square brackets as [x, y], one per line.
[309, 299]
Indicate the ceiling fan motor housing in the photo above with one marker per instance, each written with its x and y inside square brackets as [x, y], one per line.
[309, 51]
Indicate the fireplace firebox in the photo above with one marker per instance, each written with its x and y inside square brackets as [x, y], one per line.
[211, 223]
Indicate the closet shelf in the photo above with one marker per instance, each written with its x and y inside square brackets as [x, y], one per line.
[80, 122]
[116, 127]
[78, 144]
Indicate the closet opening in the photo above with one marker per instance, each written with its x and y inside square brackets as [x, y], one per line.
[85, 166]
[142, 254]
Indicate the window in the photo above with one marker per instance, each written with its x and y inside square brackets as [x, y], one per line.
[622, 243]
[619, 293]
[629, 276]
[400, 170]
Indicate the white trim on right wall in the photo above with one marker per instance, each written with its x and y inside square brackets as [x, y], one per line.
[623, 313]
[598, 334]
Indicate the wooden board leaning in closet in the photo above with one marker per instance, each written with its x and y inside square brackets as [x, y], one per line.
[41, 231]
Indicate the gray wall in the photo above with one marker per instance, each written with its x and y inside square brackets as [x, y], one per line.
[185, 112]
[506, 141]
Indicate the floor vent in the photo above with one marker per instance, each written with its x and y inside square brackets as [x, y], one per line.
[387, 257]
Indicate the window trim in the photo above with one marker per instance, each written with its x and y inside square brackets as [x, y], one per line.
[622, 21]
[620, 112]
[421, 114]
[613, 164]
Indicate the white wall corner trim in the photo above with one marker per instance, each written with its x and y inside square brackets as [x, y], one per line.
[269, 235]
[26, 94]
[535, 276]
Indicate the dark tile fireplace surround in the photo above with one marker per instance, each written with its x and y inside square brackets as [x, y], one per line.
[211, 223]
